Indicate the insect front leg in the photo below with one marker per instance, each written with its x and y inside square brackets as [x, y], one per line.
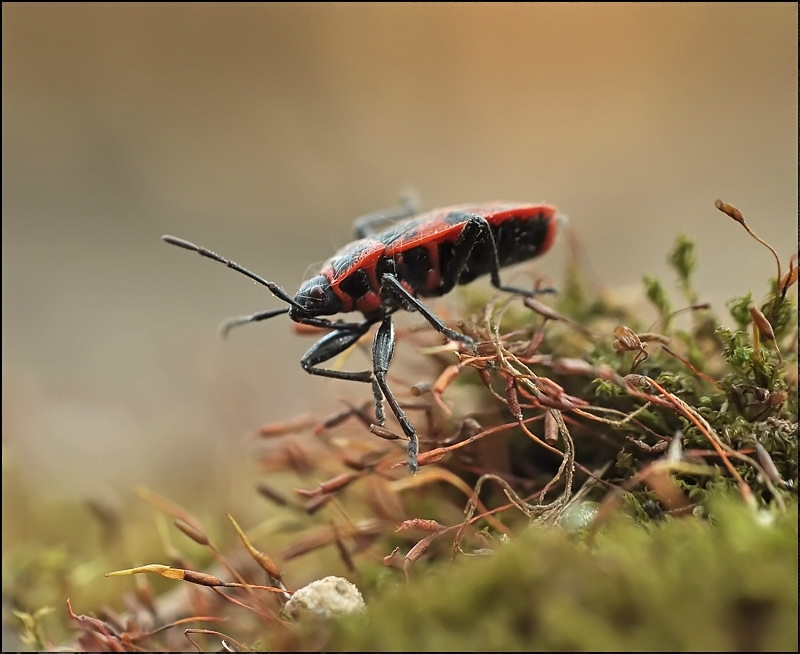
[382, 353]
[335, 343]
[328, 347]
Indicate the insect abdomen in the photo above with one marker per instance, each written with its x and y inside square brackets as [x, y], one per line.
[517, 239]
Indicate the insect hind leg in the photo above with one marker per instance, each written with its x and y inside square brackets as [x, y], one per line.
[477, 232]
[365, 225]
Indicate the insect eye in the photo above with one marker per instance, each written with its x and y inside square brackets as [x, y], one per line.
[317, 293]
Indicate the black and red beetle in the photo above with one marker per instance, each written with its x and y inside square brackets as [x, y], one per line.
[381, 272]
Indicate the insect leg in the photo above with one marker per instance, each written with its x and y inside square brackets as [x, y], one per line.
[365, 225]
[328, 347]
[335, 343]
[391, 285]
[382, 353]
[478, 233]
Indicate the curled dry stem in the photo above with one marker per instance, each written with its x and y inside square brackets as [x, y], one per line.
[517, 373]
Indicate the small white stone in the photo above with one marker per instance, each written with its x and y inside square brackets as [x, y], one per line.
[325, 598]
[764, 518]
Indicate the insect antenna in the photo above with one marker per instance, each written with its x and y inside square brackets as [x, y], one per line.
[230, 323]
[276, 290]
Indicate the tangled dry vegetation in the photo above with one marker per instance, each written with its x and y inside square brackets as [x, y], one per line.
[568, 417]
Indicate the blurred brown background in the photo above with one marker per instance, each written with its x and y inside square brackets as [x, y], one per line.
[261, 131]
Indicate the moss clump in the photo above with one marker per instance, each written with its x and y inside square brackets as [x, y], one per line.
[681, 585]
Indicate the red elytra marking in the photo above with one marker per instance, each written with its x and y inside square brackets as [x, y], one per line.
[427, 230]
[433, 279]
[363, 254]
[407, 286]
[551, 235]
[434, 226]
[369, 302]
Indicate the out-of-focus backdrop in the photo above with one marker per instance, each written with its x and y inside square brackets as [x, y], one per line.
[261, 131]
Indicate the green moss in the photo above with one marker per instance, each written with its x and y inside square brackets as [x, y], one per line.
[683, 259]
[729, 584]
